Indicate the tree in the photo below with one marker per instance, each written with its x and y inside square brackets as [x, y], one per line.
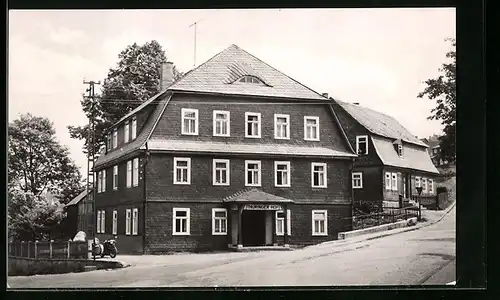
[33, 217]
[38, 163]
[443, 90]
[135, 79]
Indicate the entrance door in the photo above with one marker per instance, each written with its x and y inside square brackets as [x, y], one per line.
[253, 227]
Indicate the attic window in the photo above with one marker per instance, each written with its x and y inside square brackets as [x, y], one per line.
[400, 150]
[250, 79]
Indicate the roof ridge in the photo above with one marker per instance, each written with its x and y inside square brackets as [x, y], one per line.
[296, 81]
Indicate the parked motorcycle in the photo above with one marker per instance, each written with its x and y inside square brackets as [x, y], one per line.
[108, 247]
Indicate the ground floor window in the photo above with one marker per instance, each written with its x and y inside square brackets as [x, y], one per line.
[280, 222]
[135, 221]
[101, 221]
[115, 221]
[181, 221]
[128, 217]
[319, 222]
[219, 221]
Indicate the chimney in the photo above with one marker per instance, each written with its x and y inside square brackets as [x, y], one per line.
[325, 95]
[166, 75]
[356, 103]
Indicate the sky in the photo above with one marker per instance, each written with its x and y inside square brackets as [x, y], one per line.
[377, 57]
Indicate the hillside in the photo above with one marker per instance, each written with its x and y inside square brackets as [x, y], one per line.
[448, 179]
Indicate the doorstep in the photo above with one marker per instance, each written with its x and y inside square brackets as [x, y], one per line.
[259, 248]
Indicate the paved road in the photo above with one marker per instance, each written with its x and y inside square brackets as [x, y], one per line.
[424, 256]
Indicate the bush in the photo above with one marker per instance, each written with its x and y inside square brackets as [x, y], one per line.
[366, 207]
[441, 189]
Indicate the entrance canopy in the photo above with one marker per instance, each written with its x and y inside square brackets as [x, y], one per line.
[255, 196]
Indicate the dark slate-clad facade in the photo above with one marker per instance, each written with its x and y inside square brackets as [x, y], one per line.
[391, 161]
[233, 154]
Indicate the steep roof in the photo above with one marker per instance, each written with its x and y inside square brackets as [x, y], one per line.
[414, 157]
[218, 75]
[380, 123]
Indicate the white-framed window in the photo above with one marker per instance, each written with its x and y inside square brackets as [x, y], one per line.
[282, 174]
[388, 185]
[98, 223]
[182, 170]
[103, 177]
[129, 173]
[135, 221]
[319, 222]
[318, 175]
[417, 182]
[99, 182]
[109, 146]
[357, 180]
[115, 177]
[189, 121]
[281, 126]
[431, 186]
[181, 221]
[311, 128]
[424, 185]
[394, 181]
[400, 150]
[126, 131]
[280, 222]
[134, 128]
[115, 138]
[252, 172]
[135, 172]
[128, 219]
[362, 144]
[219, 221]
[220, 172]
[250, 79]
[115, 222]
[103, 221]
[221, 123]
[252, 125]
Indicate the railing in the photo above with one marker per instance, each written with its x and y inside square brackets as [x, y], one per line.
[386, 216]
[49, 249]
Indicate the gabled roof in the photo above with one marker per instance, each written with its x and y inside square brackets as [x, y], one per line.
[379, 123]
[222, 147]
[217, 75]
[78, 198]
[414, 157]
[253, 195]
[141, 138]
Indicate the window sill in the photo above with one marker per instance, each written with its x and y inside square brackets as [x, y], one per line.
[221, 135]
[282, 186]
[219, 233]
[253, 185]
[320, 234]
[181, 233]
[221, 184]
[252, 136]
[357, 187]
[311, 140]
[319, 187]
[182, 183]
[186, 133]
[281, 138]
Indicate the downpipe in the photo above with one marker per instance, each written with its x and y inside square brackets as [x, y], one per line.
[144, 213]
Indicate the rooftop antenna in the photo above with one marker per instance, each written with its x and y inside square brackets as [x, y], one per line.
[194, 24]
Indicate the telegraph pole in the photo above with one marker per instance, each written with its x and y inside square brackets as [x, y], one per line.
[91, 189]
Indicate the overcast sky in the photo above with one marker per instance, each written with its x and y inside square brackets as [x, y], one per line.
[378, 57]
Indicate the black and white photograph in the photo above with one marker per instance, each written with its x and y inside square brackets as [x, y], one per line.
[215, 148]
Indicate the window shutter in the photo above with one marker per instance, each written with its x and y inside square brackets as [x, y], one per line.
[289, 222]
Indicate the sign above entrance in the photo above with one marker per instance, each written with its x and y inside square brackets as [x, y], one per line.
[262, 207]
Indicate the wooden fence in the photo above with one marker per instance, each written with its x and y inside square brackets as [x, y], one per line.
[49, 249]
[387, 215]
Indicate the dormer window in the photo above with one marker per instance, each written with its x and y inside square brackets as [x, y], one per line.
[398, 146]
[250, 79]
[400, 150]
[362, 144]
